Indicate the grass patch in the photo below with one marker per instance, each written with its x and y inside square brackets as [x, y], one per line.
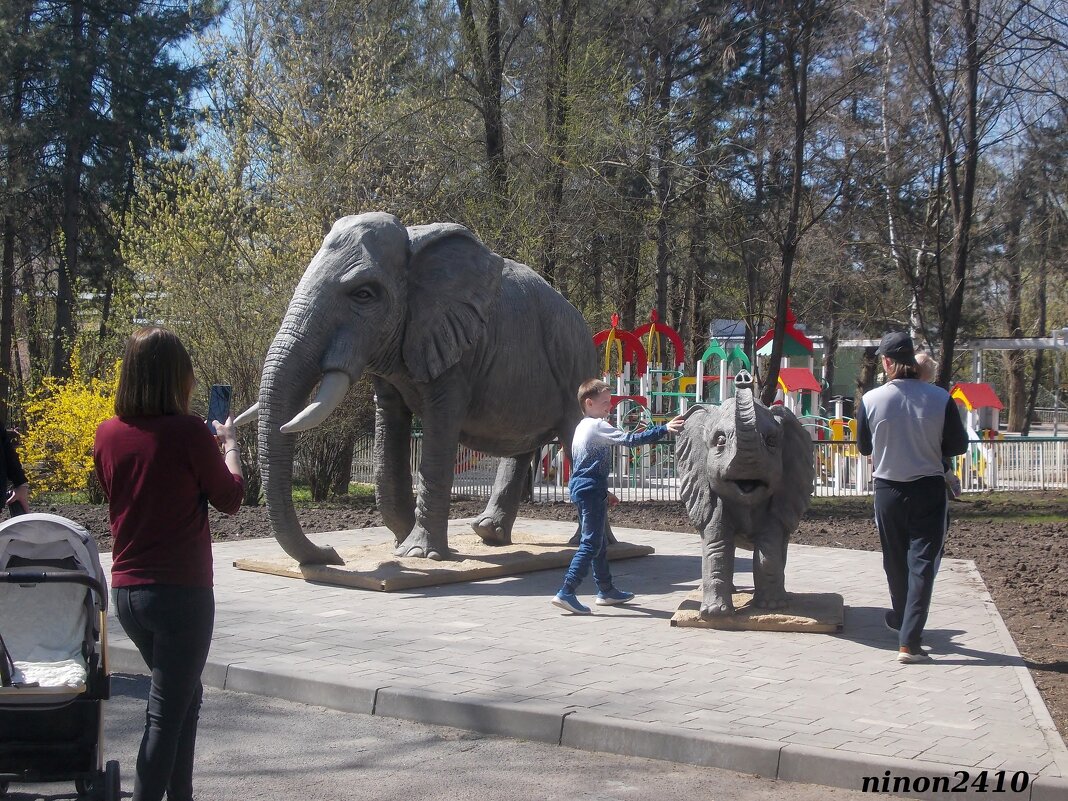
[358, 495]
[58, 498]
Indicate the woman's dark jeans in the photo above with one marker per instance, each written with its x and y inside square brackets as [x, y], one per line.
[171, 627]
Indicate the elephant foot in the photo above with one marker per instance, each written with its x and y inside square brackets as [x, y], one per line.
[400, 530]
[771, 600]
[492, 531]
[716, 609]
[418, 545]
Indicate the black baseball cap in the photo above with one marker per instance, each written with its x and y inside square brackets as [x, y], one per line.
[897, 346]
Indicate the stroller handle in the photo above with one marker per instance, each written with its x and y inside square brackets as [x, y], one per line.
[37, 576]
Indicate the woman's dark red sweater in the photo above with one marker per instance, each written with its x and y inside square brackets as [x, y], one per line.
[159, 474]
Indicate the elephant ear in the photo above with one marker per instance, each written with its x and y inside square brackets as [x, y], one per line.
[454, 281]
[798, 472]
[691, 462]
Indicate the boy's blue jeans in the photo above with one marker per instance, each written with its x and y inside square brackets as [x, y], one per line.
[593, 545]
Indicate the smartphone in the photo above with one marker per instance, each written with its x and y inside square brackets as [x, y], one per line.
[218, 404]
[15, 508]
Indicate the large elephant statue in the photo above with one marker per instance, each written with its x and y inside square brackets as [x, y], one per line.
[482, 349]
[746, 477]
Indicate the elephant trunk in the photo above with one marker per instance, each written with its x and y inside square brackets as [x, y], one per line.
[745, 419]
[289, 373]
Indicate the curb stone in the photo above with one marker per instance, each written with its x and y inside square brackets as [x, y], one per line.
[740, 754]
[526, 722]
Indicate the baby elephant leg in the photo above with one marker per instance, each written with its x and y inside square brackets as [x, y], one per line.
[717, 573]
[769, 572]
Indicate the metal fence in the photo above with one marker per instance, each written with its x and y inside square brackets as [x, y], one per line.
[648, 473]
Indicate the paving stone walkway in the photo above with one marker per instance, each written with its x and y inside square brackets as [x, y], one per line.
[496, 656]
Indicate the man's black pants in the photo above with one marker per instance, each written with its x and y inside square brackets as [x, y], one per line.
[911, 518]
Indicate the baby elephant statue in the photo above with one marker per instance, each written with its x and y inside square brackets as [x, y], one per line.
[746, 477]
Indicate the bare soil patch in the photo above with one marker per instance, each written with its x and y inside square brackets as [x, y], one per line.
[1019, 541]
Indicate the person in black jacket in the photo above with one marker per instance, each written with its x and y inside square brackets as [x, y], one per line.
[18, 499]
[909, 427]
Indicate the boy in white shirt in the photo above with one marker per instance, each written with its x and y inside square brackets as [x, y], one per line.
[591, 454]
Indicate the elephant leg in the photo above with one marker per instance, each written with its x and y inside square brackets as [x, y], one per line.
[769, 571]
[441, 435]
[393, 471]
[494, 526]
[717, 568]
[609, 535]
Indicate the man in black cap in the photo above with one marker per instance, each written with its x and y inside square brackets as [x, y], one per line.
[908, 427]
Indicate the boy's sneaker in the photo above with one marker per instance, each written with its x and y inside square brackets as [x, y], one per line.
[613, 597]
[908, 656]
[568, 601]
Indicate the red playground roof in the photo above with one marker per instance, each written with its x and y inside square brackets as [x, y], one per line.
[792, 379]
[795, 342]
[975, 396]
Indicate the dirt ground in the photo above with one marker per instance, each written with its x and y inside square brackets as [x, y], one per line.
[1018, 540]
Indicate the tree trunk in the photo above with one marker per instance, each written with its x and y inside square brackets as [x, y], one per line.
[78, 82]
[7, 313]
[35, 349]
[663, 189]
[343, 475]
[1036, 369]
[488, 80]
[830, 348]
[14, 185]
[865, 377]
[631, 263]
[1014, 359]
[797, 61]
[961, 167]
[557, 98]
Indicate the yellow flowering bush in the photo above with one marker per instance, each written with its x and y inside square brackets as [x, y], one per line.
[61, 420]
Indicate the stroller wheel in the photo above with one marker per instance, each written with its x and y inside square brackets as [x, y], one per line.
[112, 783]
[3, 788]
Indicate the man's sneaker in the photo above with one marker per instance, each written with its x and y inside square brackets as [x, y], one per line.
[568, 601]
[613, 597]
[908, 657]
[888, 621]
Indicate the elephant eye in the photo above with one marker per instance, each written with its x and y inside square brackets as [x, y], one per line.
[719, 439]
[362, 295]
[772, 440]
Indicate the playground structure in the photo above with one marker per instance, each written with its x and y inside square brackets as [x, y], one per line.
[646, 368]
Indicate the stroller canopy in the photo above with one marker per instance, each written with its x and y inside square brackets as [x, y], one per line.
[40, 536]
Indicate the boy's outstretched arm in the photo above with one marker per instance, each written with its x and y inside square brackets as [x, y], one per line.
[676, 425]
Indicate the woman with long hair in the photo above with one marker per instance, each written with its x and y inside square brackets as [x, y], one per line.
[160, 467]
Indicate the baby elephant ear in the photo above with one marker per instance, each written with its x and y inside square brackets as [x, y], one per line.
[691, 461]
[798, 471]
[454, 281]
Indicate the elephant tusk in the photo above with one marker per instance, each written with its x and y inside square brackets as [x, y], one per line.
[247, 416]
[332, 389]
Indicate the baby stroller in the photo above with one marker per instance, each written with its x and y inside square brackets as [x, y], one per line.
[53, 657]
